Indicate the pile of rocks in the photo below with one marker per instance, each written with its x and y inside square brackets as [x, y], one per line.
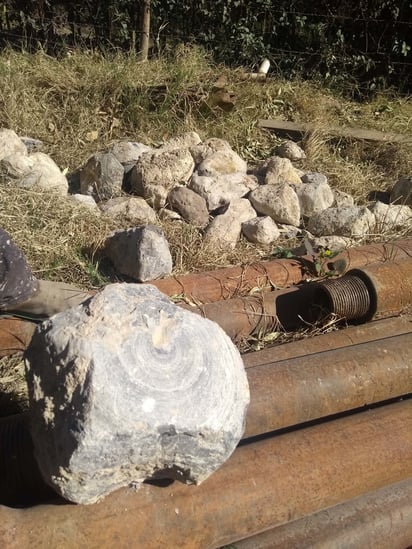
[207, 184]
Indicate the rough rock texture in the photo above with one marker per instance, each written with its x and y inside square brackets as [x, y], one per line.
[280, 202]
[219, 190]
[10, 143]
[142, 253]
[129, 386]
[291, 150]
[185, 141]
[314, 196]
[128, 153]
[221, 163]
[261, 230]
[281, 170]
[131, 208]
[207, 148]
[342, 199]
[225, 229]
[391, 217]
[314, 178]
[191, 206]
[402, 191]
[157, 172]
[332, 243]
[356, 222]
[37, 171]
[102, 177]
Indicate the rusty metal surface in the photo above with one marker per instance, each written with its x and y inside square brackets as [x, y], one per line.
[294, 391]
[378, 520]
[344, 337]
[15, 335]
[263, 485]
[375, 291]
[226, 283]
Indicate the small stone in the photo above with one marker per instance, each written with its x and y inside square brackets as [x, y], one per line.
[191, 206]
[219, 190]
[281, 170]
[222, 163]
[133, 209]
[102, 177]
[261, 230]
[291, 150]
[141, 253]
[280, 202]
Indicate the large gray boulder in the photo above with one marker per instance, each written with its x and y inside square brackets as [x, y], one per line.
[128, 386]
[142, 253]
[128, 153]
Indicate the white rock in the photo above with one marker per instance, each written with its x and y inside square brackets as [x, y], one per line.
[314, 196]
[219, 190]
[207, 148]
[280, 202]
[391, 217]
[281, 170]
[85, 200]
[261, 230]
[221, 163]
[342, 199]
[184, 141]
[291, 150]
[225, 229]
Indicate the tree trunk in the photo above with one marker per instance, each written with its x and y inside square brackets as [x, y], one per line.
[145, 31]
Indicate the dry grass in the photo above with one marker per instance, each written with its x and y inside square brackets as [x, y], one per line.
[80, 104]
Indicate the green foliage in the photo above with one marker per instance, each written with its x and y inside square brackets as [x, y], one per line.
[357, 43]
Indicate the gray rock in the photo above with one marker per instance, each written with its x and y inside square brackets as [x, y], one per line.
[133, 209]
[291, 150]
[102, 177]
[314, 196]
[129, 386]
[391, 217]
[157, 172]
[261, 230]
[225, 229]
[190, 205]
[10, 143]
[219, 190]
[402, 192]
[280, 202]
[128, 153]
[314, 178]
[332, 243]
[37, 171]
[353, 222]
[281, 170]
[222, 163]
[141, 253]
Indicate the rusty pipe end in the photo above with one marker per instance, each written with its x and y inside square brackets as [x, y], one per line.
[352, 297]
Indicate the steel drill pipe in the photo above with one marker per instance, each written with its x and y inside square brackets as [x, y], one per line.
[262, 485]
[212, 286]
[294, 391]
[376, 291]
[380, 519]
[344, 337]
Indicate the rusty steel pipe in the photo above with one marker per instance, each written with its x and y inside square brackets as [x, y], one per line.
[381, 519]
[376, 291]
[15, 335]
[295, 391]
[344, 337]
[212, 286]
[262, 485]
